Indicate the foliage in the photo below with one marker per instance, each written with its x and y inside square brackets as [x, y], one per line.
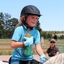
[7, 26]
[38, 27]
[61, 37]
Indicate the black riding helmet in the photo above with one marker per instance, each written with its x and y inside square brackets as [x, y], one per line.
[30, 9]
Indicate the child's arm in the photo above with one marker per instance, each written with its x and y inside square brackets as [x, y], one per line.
[15, 44]
[40, 53]
[39, 49]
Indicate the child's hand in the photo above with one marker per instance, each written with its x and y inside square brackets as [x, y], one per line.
[28, 41]
[43, 58]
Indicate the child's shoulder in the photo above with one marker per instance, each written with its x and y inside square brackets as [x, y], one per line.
[19, 28]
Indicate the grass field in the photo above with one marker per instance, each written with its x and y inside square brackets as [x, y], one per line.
[5, 48]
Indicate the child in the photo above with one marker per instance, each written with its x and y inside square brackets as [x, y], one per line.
[28, 19]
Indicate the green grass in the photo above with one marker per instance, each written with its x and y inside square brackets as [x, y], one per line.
[60, 44]
[6, 43]
[6, 52]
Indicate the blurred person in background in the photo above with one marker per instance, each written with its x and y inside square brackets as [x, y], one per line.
[55, 37]
[42, 40]
[52, 50]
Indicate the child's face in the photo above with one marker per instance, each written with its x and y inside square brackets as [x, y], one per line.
[32, 20]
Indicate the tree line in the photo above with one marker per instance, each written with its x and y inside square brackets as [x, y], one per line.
[7, 26]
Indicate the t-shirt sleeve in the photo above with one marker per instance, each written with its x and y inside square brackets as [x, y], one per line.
[57, 50]
[37, 38]
[47, 51]
[17, 34]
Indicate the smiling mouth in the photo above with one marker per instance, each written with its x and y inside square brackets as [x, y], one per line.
[33, 23]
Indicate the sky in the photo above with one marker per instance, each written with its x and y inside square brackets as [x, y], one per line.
[52, 11]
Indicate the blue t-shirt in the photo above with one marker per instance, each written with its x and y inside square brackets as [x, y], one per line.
[18, 36]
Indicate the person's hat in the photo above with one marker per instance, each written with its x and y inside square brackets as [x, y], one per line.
[53, 40]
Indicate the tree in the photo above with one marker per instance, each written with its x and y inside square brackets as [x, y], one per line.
[10, 24]
[1, 16]
[38, 28]
[7, 25]
[1, 24]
